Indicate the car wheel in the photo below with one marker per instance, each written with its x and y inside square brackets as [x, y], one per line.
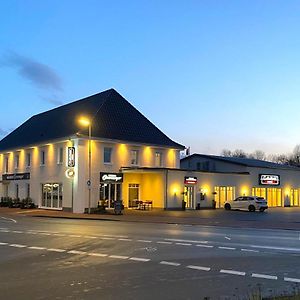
[227, 206]
[251, 208]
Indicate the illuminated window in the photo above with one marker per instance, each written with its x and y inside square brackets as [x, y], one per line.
[6, 164]
[107, 155]
[28, 160]
[43, 158]
[60, 155]
[134, 157]
[17, 160]
[158, 159]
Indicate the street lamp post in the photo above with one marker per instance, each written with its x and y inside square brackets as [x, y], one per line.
[86, 122]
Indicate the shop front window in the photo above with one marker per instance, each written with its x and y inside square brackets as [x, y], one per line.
[52, 195]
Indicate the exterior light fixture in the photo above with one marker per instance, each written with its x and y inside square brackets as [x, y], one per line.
[86, 122]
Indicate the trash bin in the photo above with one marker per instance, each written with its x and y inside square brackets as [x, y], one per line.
[198, 206]
[183, 205]
[118, 206]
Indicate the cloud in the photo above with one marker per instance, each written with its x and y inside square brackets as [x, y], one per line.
[40, 75]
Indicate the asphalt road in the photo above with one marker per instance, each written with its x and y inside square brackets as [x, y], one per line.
[43, 258]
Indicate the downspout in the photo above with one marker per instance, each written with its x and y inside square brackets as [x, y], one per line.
[166, 189]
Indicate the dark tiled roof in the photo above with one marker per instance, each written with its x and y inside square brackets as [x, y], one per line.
[113, 117]
[247, 162]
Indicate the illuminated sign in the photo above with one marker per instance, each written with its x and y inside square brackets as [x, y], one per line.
[190, 180]
[111, 177]
[70, 173]
[269, 179]
[16, 176]
[71, 157]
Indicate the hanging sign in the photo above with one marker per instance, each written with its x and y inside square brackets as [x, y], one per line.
[269, 179]
[190, 180]
[71, 157]
[111, 177]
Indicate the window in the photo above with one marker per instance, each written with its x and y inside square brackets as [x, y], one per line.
[60, 155]
[17, 160]
[6, 164]
[134, 157]
[107, 155]
[52, 195]
[28, 160]
[158, 159]
[42, 158]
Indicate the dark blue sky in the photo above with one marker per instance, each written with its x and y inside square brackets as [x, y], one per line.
[210, 74]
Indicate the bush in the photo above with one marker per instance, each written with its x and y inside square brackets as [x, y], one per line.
[5, 202]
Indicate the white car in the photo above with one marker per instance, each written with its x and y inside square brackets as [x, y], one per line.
[251, 203]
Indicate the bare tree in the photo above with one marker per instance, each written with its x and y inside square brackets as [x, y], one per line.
[258, 154]
[239, 153]
[226, 153]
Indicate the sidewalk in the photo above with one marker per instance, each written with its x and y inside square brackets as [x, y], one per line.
[276, 218]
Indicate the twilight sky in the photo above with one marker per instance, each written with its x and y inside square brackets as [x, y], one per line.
[210, 74]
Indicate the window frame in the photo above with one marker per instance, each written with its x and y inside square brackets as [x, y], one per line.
[134, 161]
[110, 156]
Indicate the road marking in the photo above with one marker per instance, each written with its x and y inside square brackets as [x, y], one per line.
[264, 276]
[97, 254]
[75, 235]
[17, 245]
[227, 238]
[291, 279]
[232, 272]
[227, 248]
[17, 231]
[166, 243]
[37, 248]
[90, 237]
[276, 248]
[58, 234]
[119, 256]
[169, 263]
[187, 241]
[205, 246]
[125, 240]
[44, 233]
[144, 241]
[106, 238]
[76, 252]
[116, 236]
[3, 228]
[139, 259]
[56, 250]
[9, 219]
[183, 244]
[199, 268]
[250, 250]
[5, 231]
[3, 244]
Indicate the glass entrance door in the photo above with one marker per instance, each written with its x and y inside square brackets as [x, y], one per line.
[52, 195]
[109, 193]
[294, 197]
[133, 194]
[189, 196]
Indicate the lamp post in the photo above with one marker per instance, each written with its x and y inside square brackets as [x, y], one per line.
[86, 122]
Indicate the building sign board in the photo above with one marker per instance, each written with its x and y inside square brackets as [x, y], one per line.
[16, 176]
[111, 177]
[269, 179]
[71, 157]
[190, 180]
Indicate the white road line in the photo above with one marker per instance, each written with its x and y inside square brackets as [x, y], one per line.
[169, 263]
[183, 244]
[186, 241]
[232, 272]
[139, 259]
[58, 234]
[44, 233]
[276, 248]
[9, 219]
[5, 231]
[3, 244]
[75, 235]
[107, 238]
[76, 252]
[199, 268]
[37, 248]
[119, 256]
[3, 228]
[166, 243]
[116, 236]
[17, 231]
[250, 250]
[17, 245]
[56, 250]
[264, 276]
[227, 238]
[291, 279]
[97, 254]
[125, 240]
[227, 248]
[205, 246]
[90, 237]
[144, 241]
